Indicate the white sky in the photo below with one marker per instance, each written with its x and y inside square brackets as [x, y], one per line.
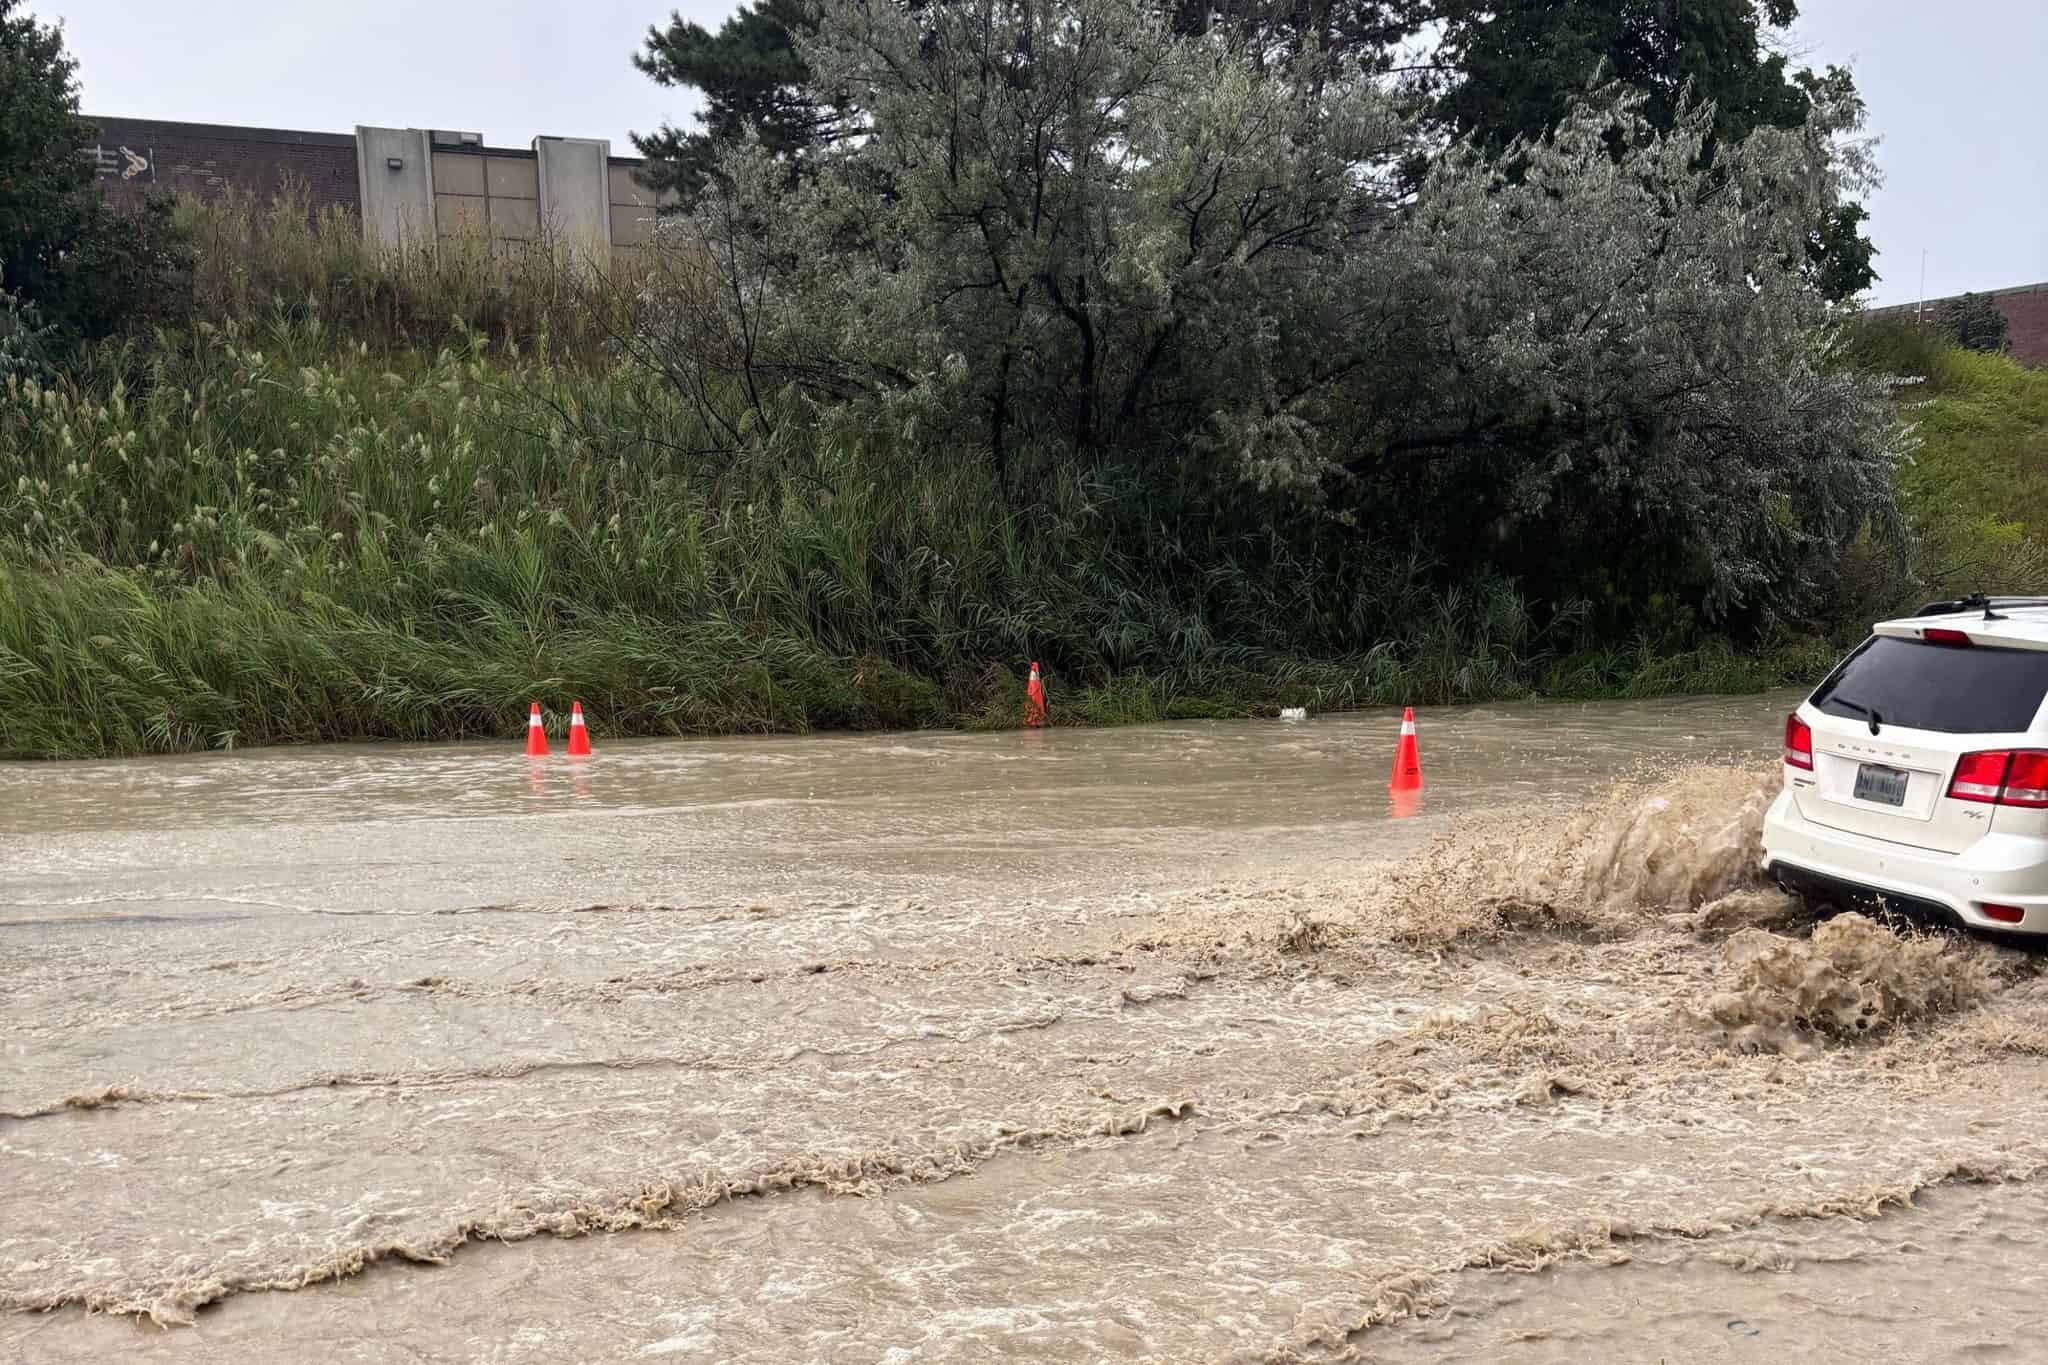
[1958, 93]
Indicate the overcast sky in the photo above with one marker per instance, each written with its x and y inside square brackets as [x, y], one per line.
[1956, 88]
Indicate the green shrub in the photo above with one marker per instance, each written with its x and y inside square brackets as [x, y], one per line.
[88, 271]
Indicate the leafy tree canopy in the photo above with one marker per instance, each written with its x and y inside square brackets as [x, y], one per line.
[1497, 74]
[1509, 72]
[1514, 69]
[752, 80]
[78, 268]
[1069, 238]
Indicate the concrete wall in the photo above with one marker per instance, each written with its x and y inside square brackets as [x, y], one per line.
[395, 183]
[575, 195]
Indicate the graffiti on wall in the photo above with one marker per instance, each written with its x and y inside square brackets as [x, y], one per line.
[124, 162]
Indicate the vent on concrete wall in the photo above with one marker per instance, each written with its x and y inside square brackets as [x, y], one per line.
[445, 138]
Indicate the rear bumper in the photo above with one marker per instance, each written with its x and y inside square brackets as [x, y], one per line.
[1855, 871]
[1824, 889]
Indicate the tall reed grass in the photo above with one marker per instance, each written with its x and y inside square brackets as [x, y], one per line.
[373, 497]
[255, 256]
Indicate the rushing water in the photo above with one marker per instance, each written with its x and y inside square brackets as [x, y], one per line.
[1171, 1043]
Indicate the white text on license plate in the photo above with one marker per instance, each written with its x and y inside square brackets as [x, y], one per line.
[1885, 786]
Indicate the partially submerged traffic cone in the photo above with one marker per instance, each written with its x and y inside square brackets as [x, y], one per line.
[1034, 699]
[1407, 763]
[579, 737]
[536, 736]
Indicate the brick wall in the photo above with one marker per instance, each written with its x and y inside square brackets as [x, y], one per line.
[2026, 318]
[135, 156]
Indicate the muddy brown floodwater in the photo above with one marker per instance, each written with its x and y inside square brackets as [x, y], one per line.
[1162, 1044]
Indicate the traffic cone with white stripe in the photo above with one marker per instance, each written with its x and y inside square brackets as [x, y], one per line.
[1407, 762]
[1034, 699]
[536, 734]
[579, 737]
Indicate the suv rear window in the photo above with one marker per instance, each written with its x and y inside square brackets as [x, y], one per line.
[1955, 689]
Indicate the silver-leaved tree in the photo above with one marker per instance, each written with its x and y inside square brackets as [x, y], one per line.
[1065, 238]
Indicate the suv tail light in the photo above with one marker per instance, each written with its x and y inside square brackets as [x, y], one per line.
[2002, 777]
[1798, 743]
[1935, 635]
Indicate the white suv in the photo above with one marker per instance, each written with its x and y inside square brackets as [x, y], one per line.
[1916, 775]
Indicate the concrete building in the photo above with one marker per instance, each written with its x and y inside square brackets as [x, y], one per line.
[2026, 318]
[409, 186]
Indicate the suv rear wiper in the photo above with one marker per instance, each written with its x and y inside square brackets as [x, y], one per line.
[1858, 707]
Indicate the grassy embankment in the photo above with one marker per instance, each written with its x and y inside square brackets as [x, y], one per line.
[1976, 490]
[363, 499]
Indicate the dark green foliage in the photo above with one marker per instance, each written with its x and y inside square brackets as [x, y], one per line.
[87, 270]
[24, 339]
[1976, 323]
[751, 79]
[118, 270]
[1517, 67]
[1838, 255]
[1513, 70]
[42, 175]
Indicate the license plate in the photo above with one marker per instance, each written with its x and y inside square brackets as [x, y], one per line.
[1885, 786]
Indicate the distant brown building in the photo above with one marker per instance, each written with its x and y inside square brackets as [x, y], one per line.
[2026, 318]
[405, 183]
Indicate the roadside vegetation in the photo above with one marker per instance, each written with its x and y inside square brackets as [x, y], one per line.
[1192, 404]
[274, 531]
[1975, 488]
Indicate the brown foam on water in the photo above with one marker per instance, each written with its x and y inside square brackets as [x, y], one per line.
[1819, 1290]
[1660, 848]
[1855, 978]
[111, 1095]
[1511, 1034]
[660, 1204]
[86, 1099]
[1649, 850]
[1539, 1246]
[1684, 853]
[2004, 1029]
[1762, 907]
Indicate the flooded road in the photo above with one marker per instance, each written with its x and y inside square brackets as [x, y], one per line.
[1168, 1044]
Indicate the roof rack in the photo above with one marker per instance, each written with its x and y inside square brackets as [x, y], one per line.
[1977, 601]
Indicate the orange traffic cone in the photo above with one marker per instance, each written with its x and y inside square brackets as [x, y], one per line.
[579, 737]
[536, 737]
[1034, 699]
[1407, 763]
